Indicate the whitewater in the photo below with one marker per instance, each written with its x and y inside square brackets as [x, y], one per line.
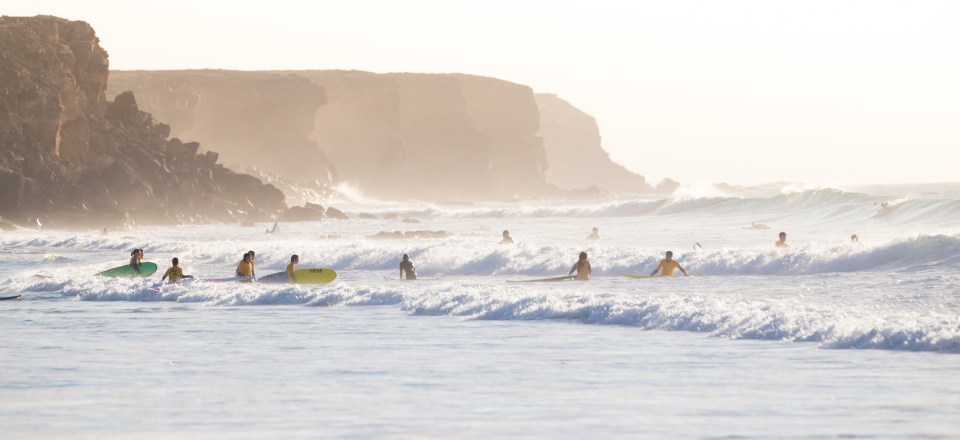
[825, 338]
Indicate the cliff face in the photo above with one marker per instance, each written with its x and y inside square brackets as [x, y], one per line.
[71, 157]
[576, 156]
[429, 136]
[252, 118]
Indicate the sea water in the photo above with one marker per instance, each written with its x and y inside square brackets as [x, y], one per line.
[826, 338]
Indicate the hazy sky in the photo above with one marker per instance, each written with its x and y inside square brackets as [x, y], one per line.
[824, 92]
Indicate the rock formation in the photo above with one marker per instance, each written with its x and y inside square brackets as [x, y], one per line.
[69, 156]
[443, 137]
[255, 119]
[577, 158]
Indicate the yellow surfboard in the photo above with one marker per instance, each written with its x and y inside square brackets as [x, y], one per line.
[303, 276]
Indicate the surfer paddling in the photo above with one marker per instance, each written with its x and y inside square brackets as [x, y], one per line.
[668, 265]
[175, 273]
[406, 267]
[782, 242]
[506, 237]
[582, 267]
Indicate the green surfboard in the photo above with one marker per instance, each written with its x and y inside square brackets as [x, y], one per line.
[125, 271]
[544, 280]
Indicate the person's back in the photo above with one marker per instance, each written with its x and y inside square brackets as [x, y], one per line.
[174, 273]
[291, 269]
[135, 259]
[245, 269]
[406, 268]
[582, 267]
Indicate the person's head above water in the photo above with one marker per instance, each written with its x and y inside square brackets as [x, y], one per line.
[506, 233]
[176, 261]
[406, 257]
[783, 236]
[854, 238]
[669, 254]
[252, 254]
[294, 258]
[246, 256]
[583, 255]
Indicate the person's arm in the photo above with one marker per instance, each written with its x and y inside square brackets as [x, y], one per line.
[164, 278]
[401, 271]
[656, 270]
[572, 269]
[681, 269]
[589, 269]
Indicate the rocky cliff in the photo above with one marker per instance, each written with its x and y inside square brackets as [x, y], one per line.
[69, 156]
[252, 118]
[576, 156]
[432, 136]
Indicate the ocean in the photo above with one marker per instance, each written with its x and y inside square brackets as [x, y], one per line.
[827, 338]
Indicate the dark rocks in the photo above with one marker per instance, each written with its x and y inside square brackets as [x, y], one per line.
[336, 214]
[69, 157]
[312, 212]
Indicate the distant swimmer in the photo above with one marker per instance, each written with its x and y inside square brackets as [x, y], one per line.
[506, 237]
[104, 231]
[245, 269]
[406, 267]
[136, 257]
[582, 267]
[595, 235]
[668, 265]
[782, 243]
[174, 273]
[854, 239]
[697, 247]
[276, 228]
[292, 267]
[757, 226]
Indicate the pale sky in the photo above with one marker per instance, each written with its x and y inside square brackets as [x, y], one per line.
[745, 92]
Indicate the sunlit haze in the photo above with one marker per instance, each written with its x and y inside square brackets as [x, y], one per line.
[743, 92]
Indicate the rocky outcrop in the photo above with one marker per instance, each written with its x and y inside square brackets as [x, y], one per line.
[255, 119]
[71, 157]
[575, 154]
[432, 136]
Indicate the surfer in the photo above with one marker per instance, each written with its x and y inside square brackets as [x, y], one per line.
[582, 267]
[697, 247]
[407, 266]
[253, 271]
[506, 237]
[854, 239]
[292, 267]
[136, 257]
[782, 243]
[245, 269]
[174, 273]
[595, 235]
[668, 265]
[276, 228]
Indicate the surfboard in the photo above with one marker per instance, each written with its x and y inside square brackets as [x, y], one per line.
[125, 271]
[541, 280]
[639, 276]
[4, 298]
[655, 276]
[225, 280]
[304, 276]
